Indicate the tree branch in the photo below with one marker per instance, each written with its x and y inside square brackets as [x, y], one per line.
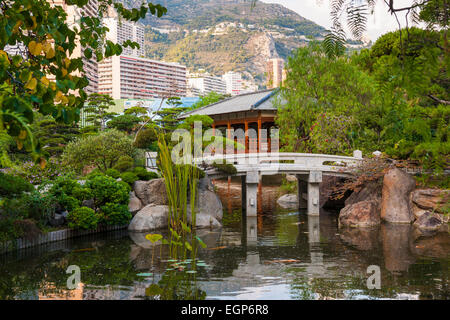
[439, 100]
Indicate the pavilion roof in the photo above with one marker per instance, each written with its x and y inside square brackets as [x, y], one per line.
[260, 100]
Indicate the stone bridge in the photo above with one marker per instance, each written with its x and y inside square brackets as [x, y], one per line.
[309, 169]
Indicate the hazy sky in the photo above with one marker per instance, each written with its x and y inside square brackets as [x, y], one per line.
[319, 12]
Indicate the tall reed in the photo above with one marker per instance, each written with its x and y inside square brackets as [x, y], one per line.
[181, 185]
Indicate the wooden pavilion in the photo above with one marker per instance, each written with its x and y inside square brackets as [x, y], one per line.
[254, 113]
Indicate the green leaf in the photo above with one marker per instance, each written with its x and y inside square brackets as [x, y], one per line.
[153, 237]
[202, 244]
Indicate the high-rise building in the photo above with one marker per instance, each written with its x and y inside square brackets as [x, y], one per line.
[202, 84]
[130, 77]
[274, 72]
[74, 14]
[122, 30]
[233, 81]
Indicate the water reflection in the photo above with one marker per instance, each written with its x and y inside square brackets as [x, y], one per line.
[278, 255]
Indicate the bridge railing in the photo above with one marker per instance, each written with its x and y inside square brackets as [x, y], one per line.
[284, 161]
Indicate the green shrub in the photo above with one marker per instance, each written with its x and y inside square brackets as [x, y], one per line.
[125, 185]
[101, 151]
[67, 192]
[113, 173]
[104, 189]
[143, 174]
[93, 173]
[116, 214]
[39, 207]
[129, 177]
[124, 163]
[83, 218]
[12, 186]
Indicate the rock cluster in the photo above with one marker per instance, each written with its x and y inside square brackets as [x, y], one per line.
[396, 201]
[149, 205]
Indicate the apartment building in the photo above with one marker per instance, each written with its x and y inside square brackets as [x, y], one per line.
[131, 77]
[233, 81]
[122, 30]
[202, 84]
[275, 72]
[74, 14]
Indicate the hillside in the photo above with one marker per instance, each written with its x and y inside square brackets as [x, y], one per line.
[224, 35]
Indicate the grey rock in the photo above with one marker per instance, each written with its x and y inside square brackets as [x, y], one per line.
[288, 201]
[429, 221]
[151, 217]
[205, 221]
[208, 203]
[135, 203]
[57, 221]
[205, 184]
[291, 178]
[151, 192]
[88, 203]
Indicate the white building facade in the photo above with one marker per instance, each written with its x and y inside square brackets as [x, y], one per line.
[233, 81]
[131, 77]
[121, 31]
[204, 84]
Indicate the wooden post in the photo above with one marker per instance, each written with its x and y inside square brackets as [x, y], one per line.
[246, 136]
[259, 132]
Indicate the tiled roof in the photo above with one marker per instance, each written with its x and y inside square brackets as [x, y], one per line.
[260, 100]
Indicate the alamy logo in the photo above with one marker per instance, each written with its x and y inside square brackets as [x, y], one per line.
[374, 281]
[75, 278]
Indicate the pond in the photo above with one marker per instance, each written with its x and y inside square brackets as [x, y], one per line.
[281, 254]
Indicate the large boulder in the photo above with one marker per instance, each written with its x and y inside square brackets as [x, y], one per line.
[205, 221]
[430, 199]
[288, 201]
[208, 203]
[429, 221]
[395, 203]
[151, 217]
[360, 214]
[151, 192]
[135, 203]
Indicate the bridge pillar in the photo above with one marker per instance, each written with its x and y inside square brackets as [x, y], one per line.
[314, 180]
[251, 183]
[302, 188]
[243, 194]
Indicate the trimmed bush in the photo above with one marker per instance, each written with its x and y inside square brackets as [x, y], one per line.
[113, 173]
[94, 173]
[104, 189]
[125, 185]
[124, 163]
[83, 218]
[116, 214]
[129, 177]
[143, 174]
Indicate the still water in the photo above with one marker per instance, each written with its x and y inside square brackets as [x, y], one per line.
[282, 254]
